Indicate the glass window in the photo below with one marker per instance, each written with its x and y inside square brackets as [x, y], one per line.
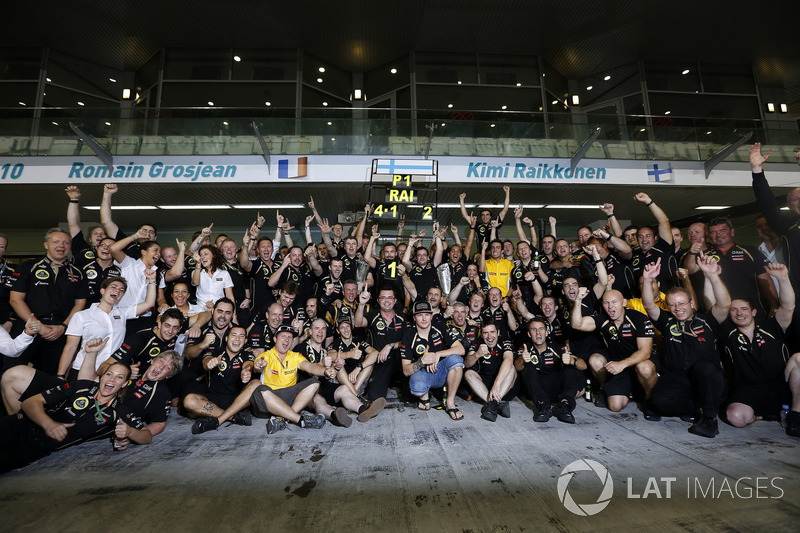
[325, 77]
[229, 94]
[20, 63]
[257, 64]
[388, 77]
[727, 78]
[446, 68]
[669, 76]
[197, 64]
[508, 70]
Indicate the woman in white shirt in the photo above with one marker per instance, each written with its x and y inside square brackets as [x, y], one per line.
[210, 277]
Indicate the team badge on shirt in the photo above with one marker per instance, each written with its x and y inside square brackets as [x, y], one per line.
[81, 403]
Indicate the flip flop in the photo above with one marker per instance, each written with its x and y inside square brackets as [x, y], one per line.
[424, 405]
[453, 414]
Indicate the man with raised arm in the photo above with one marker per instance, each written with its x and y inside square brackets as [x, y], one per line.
[483, 228]
[691, 376]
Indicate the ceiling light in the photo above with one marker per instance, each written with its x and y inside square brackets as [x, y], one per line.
[112, 80]
[126, 94]
[576, 99]
[459, 82]
[81, 104]
[121, 207]
[443, 124]
[504, 107]
[324, 104]
[708, 133]
[643, 129]
[492, 126]
[667, 112]
[322, 69]
[449, 106]
[589, 87]
[607, 78]
[48, 79]
[770, 107]
[357, 94]
[570, 206]
[54, 123]
[712, 207]
[784, 108]
[21, 103]
[330, 123]
[224, 122]
[107, 123]
[554, 102]
[210, 102]
[393, 71]
[268, 103]
[333, 138]
[237, 58]
[685, 72]
[271, 206]
[519, 85]
[192, 206]
[319, 80]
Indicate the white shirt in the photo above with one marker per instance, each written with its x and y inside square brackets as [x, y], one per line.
[13, 347]
[133, 272]
[94, 323]
[212, 287]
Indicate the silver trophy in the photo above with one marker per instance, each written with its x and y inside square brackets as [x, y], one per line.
[445, 278]
[362, 269]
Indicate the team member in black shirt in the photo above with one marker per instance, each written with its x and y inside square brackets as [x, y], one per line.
[691, 372]
[490, 372]
[386, 329]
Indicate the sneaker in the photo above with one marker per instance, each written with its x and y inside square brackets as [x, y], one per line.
[705, 427]
[309, 421]
[543, 412]
[600, 400]
[563, 413]
[276, 424]
[489, 411]
[242, 418]
[371, 410]
[201, 425]
[650, 414]
[504, 410]
[340, 417]
[793, 424]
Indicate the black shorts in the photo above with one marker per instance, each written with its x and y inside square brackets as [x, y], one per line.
[287, 394]
[223, 401]
[620, 384]
[41, 382]
[765, 399]
[513, 392]
[327, 389]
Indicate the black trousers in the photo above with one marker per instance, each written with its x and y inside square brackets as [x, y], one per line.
[680, 393]
[552, 387]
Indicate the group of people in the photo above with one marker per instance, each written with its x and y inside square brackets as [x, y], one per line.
[107, 332]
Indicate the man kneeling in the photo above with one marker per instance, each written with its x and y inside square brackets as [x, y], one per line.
[491, 364]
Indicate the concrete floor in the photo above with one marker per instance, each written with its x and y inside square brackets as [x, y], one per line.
[417, 471]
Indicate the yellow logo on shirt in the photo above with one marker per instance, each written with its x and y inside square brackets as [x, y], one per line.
[81, 403]
[42, 274]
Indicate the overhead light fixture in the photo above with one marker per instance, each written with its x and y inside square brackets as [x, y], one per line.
[685, 72]
[237, 58]
[54, 123]
[770, 107]
[48, 80]
[712, 207]
[321, 69]
[491, 125]
[224, 122]
[333, 138]
[554, 102]
[324, 104]
[81, 104]
[589, 87]
[607, 78]
[210, 102]
[126, 94]
[504, 107]
[192, 206]
[121, 207]
[112, 80]
[319, 80]
[267, 206]
[443, 124]
[107, 123]
[667, 112]
[519, 85]
[330, 123]
[708, 133]
[570, 206]
[393, 71]
[643, 129]
[459, 82]
[784, 108]
[576, 99]
[449, 106]
[21, 103]
[358, 94]
[267, 104]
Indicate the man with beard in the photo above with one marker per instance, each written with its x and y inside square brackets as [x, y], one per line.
[228, 370]
[422, 272]
[295, 269]
[100, 269]
[387, 269]
[653, 247]
[386, 329]
[212, 338]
